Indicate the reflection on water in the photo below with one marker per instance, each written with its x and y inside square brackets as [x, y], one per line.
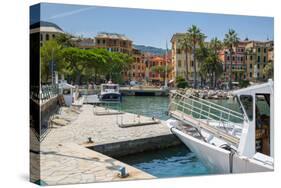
[170, 162]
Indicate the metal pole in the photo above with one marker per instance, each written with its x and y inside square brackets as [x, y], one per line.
[52, 66]
[166, 68]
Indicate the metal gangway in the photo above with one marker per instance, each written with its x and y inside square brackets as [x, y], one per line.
[200, 113]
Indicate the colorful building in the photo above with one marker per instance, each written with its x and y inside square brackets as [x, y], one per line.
[248, 60]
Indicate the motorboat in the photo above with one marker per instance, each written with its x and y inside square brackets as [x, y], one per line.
[227, 140]
[110, 92]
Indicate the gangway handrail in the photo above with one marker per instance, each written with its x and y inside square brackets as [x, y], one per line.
[207, 116]
[209, 113]
[176, 93]
[241, 117]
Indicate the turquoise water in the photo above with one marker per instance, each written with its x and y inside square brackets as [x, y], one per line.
[144, 105]
[170, 162]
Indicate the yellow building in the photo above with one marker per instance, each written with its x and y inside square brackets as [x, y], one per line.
[114, 42]
[179, 60]
[258, 55]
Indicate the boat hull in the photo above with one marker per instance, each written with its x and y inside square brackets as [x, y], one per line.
[110, 97]
[219, 160]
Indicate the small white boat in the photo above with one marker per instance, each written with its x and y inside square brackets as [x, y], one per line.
[110, 92]
[227, 141]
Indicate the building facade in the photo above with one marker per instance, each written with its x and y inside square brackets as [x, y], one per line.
[178, 58]
[47, 30]
[114, 42]
[248, 60]
[83, 43]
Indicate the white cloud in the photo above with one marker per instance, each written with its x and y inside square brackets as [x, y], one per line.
[69, 13]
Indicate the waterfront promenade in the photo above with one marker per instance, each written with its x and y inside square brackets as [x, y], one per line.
[65, 156]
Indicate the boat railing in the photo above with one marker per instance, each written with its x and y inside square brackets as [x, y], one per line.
[204, 109]
[184, 105]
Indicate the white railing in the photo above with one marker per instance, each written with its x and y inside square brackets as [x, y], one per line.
[203, 112]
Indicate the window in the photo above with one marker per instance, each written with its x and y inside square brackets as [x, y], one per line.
[103, 41]
[54, 36]
[250, 75]
[259, 50]
[179, 63]
[192, 63]
[258, 75]
[178, 51]
[228, 58]
[47, 36]
[258, 66]
[251, 57]
[264, 50]
[98, 41]
[259, 58]
[247, 103]
[264, 59]
[251, 66]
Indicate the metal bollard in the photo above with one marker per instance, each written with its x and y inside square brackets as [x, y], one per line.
[122, 172]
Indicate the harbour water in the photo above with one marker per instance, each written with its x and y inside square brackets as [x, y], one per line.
[170, 162]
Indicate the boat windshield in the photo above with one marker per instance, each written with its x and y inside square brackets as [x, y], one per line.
[110, 88]
[247, 102]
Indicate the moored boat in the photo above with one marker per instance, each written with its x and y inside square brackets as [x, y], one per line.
[110, 92]
[225, 140]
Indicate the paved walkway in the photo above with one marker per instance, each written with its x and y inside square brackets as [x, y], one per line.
[65, 160]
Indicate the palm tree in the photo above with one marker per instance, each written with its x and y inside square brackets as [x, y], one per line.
[185, 45]
[215, 47]
[231, 40]
[196, 37]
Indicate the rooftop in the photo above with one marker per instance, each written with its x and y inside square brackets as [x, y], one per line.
[44, 24]
[112, 36]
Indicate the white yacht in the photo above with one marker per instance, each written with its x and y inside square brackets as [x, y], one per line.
[225, 140]
[110, 92]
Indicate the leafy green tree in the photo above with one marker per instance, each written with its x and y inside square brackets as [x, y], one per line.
[268, 70]
[196, 38]
[64, 40]
[50, 52]
[231, 41]
[78, 60]
[244, 83]
[181, 82]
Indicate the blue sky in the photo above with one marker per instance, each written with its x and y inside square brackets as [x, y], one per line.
[151, 27]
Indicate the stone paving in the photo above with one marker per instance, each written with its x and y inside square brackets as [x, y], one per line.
[65, 160]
